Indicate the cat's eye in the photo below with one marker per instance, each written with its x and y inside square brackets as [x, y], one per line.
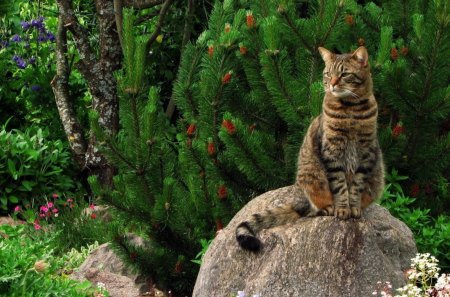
[327, 74]
[347, 74]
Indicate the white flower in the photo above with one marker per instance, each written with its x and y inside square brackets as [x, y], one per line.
[241, 294]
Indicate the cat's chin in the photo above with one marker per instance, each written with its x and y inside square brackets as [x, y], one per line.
[341, 94]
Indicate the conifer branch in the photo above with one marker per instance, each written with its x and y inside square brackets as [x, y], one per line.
[296, 32]
[186, 37]
[281, 84]
[432, 64]
[254, 161]
[337, 13]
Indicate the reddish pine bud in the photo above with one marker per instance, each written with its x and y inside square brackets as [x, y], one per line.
[222, 192]
[93, 215]
[250, 19]
[349, 19]
[219, 225]
[415, 190]
[227, 27]
[210, 50]
[227, 77]
[178, 267]
[243, 50]
[394, 54]
[404, 51]
[229, 126]
[191, 129]
[398, 130]
[361, 42]
[211, 148]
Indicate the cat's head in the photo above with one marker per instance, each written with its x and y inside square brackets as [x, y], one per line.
[346, 75]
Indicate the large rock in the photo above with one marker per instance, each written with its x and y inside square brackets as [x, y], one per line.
[104, 266]
[320, 256]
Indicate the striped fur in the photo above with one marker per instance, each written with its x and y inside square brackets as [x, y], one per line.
[340, 166]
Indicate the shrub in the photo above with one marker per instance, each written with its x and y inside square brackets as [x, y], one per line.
[432, 234]
[32, 166]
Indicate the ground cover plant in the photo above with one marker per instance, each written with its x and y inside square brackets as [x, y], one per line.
[30, 267]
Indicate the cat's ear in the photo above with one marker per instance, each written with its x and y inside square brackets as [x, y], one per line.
[326, 54]
[361, 55]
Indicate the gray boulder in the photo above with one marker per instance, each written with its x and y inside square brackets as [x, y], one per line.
[320, 256]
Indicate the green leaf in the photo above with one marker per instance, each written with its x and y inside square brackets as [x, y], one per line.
[12, 168]
[13, 199]
[28, 185]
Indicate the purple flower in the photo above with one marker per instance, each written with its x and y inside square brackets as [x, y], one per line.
[25, 25]
[42, 38]
[32, 60]
[36, 88]
[4, 44]
[51, 37]
[19, 62]
[38, 23]
[16, 38]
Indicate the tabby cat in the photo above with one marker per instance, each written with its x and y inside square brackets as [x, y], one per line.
[340, 166]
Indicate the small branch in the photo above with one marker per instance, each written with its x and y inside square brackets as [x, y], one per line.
[296, 32]
[162, 15]
[60, 86]
[145, 18]
[80, 35]
[119, 17]
[331, 27]
[141, 4]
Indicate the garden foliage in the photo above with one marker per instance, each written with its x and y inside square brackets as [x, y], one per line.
[29, 267]
[32, 167]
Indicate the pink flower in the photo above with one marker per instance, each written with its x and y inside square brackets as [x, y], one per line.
[50, 204]
[55, 210]
[42, 215]
[17, 208]
[44, 208]
[55, 196]
[92, 206]
[70, 200]
[36, 225]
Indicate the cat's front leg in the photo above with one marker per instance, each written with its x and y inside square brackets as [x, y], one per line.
[358, 187]
[339, 189]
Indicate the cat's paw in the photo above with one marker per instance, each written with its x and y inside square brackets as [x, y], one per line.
[342, 213]
[328, 210]
[355, 212]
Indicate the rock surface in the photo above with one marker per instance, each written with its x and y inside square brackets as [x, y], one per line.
[320, 256]
[104, 266]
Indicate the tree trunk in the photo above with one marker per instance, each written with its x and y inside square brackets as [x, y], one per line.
[98, 70]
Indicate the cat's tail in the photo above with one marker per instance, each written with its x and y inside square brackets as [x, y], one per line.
[246, 231]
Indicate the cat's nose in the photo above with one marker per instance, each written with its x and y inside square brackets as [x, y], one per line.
[334, 80]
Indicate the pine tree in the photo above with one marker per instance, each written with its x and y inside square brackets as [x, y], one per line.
[142, 197]
[252, 83]
[247, 90]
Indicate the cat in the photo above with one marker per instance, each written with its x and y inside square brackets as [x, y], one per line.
[340, 166]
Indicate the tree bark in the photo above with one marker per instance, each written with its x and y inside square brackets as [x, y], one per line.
[60, 86]
[98, 71]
